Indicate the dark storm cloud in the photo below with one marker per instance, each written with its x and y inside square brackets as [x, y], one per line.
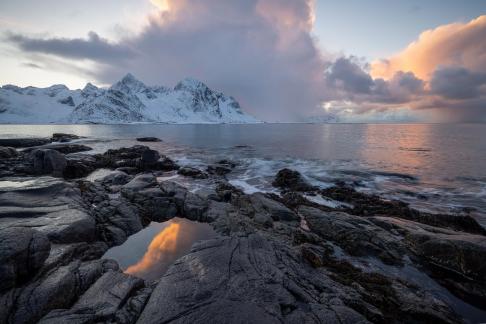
[259, 51]
[93, 48]
[457, 83]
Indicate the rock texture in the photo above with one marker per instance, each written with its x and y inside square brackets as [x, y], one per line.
[277, 259]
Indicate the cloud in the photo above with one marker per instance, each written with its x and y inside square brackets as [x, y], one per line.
[31, 65]
[259, 51]
[457, 83]
[263, 53]
[93, 48]
[458, 44]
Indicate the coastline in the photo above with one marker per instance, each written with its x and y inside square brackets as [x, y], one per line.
[279, 258]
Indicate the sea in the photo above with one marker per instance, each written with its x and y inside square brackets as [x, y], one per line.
[438, 168]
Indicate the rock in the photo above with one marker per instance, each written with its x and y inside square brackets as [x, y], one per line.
[371, 205]
[79, 165]
[291, 180]
[218, 169]
[63, 137]
[166, 164]
[195, 207]
[356, 235]
[123, 157]
[141, 182]
[63, 148]
[115, 297]
[117, 178]
[149, 159]
[457, 259]
[23, 142]
[48, 205]
[48, 162]
[7, 152]
[22, 253]
[149, 139]
[192, 172]
[56, 289]
[275, 209]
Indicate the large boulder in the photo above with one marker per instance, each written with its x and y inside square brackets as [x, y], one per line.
[23, 142]
[22, 253]
[64, 148]
[48, 162]
[290, 180]
[63, 137]
[192, 173]
[148, 139]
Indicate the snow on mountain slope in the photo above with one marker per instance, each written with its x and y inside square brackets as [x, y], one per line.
[127, 101]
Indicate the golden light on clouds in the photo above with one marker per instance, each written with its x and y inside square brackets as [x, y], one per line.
[163, 246]
[162, 5]
[457, 44]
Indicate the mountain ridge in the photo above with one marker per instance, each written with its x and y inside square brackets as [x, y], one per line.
[127, 101]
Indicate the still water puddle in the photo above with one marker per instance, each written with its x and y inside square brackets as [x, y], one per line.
[149, 253]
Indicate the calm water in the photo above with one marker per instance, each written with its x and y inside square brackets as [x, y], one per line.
[438, 168]
[149, 253]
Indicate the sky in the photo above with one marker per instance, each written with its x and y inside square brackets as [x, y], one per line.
[284, 60]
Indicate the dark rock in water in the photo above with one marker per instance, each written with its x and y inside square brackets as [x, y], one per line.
[166, 164]
[227, 192]
[22, 253]
[63, 148]
[192, 172]
[139, 157]
[291, 180]
[7, 152]
[63, 137]
[371, 205]
[149, 139]
[148, 159]
[23, 142]
[128, 170]
[221, 167]
[48, 162]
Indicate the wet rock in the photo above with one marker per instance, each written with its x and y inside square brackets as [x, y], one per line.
[64, 148]
[123, 157]
[79, 165]
[166, 164]
[116, 178]
[22, 253]
[56, 289]
[115, 297]
[48, 205]
[372, 205]
[116, 219]
[192, 172]
[7, 152]
[141, 182]
[291, 180]
[227, 192]
[149, 139]
[48, 162]
[356, 235]
[148, 159]
[275, 209]
[23, 142]
[457, 259]
[195, 207]
[63, 137]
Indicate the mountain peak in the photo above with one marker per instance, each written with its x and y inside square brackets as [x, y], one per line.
[129, 83]
[190, 84]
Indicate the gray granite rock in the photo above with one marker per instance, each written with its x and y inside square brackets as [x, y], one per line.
[48, 162]
[22, 253]
[7, 152]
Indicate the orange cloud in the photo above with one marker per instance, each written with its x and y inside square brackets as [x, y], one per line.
[458, 44]
[163, 246]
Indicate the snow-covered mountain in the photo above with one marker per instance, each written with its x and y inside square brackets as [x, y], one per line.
[127, 101]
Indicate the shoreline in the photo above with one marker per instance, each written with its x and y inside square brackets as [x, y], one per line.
[279, 257]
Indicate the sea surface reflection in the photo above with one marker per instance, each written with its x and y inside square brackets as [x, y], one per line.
[149, 253]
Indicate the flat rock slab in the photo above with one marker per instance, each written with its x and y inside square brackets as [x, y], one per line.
[23, 142]
[48, 205]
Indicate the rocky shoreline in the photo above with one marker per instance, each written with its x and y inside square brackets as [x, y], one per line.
[278, 258]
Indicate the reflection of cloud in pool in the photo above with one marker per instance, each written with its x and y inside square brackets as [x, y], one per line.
[171, 243]
[160, 253]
